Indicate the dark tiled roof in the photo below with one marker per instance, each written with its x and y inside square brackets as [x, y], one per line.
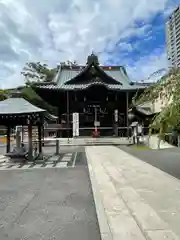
[81, 86]
[117, 73]
[66, 75]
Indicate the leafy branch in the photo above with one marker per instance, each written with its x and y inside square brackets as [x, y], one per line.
[35, 71]
[167, 91]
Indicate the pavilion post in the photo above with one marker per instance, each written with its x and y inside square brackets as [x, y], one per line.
[30, 147]
[40, 138]
[58, 133]
[127, 108]
[43, 135]
[68, 130]
[8, 139]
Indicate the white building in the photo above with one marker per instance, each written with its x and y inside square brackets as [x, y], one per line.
[173, 38]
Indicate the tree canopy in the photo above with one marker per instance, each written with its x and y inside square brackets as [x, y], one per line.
[30, 95]
[3, 94]
[167, 89]
[36, 72]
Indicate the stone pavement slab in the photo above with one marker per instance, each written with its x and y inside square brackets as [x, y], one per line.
[125, 183]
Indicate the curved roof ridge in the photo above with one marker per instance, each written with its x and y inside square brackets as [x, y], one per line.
[124, 72]
[56, 78]
[87, 68]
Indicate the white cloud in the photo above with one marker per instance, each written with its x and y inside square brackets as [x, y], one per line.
[147, 65]
[58, 30]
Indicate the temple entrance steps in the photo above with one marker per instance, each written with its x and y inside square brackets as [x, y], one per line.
[85, 141]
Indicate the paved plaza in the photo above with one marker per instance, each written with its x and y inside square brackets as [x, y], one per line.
[134, 200]
[48, 204]
[69, 157]
[61, 161]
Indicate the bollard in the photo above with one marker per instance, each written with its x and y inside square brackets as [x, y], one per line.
[57, 146]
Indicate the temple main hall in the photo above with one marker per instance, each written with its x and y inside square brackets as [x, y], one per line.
[101, 95]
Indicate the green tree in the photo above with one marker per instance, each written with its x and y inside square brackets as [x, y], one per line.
[36, 72]
[30, 95]
[167, 88]
[3, 94]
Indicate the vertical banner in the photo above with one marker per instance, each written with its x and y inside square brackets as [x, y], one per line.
[116, 115]
[75, 124]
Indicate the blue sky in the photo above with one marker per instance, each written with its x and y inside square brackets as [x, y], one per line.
[129, 33]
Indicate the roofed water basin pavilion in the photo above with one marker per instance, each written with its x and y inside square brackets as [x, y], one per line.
[100, 94]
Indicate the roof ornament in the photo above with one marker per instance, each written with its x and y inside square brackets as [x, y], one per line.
[92, 59]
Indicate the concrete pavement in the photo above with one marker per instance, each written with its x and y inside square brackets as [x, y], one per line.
[48, 204]
[134, 200]
[168, 160]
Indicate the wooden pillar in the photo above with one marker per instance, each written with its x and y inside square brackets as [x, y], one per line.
[43, 135]
[58, 134]
[22, 140]
[18, 138]
[30, 147]
[127, 108]
[68, 125]
[8, 139]
[40, 138]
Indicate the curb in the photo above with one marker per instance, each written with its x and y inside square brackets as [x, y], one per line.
[105, 231]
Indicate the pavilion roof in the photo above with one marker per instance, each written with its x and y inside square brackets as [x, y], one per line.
[18, 106]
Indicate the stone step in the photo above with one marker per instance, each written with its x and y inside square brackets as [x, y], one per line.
[3, 158]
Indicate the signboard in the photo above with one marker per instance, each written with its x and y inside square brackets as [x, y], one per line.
[116, 115]
[97, 124]
[34, 133]
[75, 124]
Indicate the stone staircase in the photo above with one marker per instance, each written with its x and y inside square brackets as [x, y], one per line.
[84, 141]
